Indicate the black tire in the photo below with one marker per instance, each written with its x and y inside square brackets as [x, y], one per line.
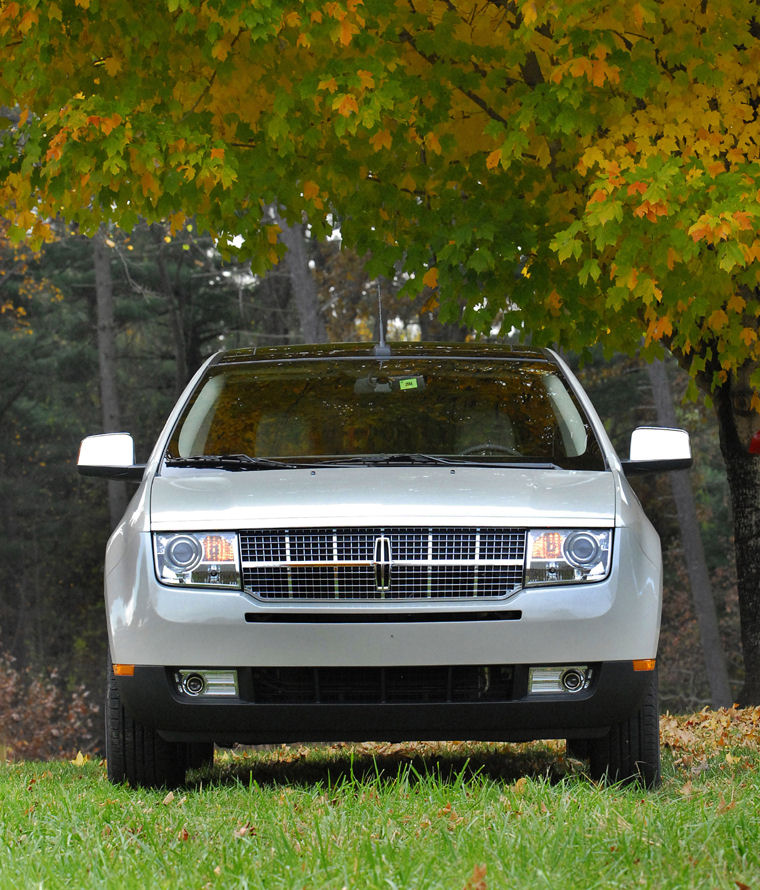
[630, 752]
[136, 753]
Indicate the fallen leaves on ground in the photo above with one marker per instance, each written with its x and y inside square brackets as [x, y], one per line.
[477, 880]
[695, 738]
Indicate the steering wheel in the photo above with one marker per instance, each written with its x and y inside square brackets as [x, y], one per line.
[485, 447]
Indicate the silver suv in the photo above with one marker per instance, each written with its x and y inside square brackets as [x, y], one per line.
[420, 541]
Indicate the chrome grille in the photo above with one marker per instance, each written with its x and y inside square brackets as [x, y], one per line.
[382, 563]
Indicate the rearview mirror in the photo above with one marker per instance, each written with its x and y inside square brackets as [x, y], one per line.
[371, 385]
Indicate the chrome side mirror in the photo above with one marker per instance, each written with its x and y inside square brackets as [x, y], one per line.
[110, 456]
[657, 450]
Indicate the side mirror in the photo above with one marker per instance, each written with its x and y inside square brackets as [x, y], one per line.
[657, 450]
[109, 456]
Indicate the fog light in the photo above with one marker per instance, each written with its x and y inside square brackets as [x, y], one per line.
[198, 682]
[557, 680]
[573, 679]
[194, 684]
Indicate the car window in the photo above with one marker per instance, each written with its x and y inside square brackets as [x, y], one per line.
[459, 408]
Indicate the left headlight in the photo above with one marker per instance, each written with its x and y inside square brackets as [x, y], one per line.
[567, 556]
[200, 559]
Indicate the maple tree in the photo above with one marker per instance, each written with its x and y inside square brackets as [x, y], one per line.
[586, 171]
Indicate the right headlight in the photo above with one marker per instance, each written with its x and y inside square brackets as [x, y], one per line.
[197, 559]
[567, 555]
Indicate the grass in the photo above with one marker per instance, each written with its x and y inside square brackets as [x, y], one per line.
[467, 817]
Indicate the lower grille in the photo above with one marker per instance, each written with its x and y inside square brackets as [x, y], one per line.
[382, 563]
[382, 685]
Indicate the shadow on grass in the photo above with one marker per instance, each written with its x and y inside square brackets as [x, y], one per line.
[336, 765]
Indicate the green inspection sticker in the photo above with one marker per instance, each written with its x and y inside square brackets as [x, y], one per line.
[409, 383]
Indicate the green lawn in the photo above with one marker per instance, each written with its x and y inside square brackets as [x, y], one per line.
[450, 816]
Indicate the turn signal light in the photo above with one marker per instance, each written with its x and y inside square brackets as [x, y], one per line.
[547, 546]
[124, 670]
[644, 664]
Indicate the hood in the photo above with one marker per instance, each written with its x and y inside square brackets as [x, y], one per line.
[190, 499]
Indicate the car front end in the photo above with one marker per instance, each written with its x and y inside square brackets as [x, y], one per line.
[439, 544]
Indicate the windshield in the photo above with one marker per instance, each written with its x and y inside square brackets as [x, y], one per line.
[465, 410]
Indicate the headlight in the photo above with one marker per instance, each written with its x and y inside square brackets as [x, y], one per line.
[200, 559]
[567, 556]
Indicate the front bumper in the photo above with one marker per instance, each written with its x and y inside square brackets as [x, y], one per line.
[152, 697]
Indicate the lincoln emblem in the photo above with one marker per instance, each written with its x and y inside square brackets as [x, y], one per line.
[381, 559]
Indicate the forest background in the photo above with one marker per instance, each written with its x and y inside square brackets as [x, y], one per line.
[103, 333]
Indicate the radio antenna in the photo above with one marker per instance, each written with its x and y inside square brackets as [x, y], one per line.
[381, 348]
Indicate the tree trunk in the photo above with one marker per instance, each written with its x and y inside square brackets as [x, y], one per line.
[693, 551]
[106, 337]
[176, 312]
[304, 287]
[737, 421]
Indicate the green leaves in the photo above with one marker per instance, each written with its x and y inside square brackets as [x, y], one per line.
[618, 144]
[567, 244]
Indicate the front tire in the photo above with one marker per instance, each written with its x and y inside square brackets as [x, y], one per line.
[136, 753]
[630, 752]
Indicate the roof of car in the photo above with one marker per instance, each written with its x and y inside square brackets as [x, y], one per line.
[296, 352]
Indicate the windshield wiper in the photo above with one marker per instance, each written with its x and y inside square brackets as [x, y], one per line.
[230, 462]
[238, 462]
[379, 460]
[420, 459]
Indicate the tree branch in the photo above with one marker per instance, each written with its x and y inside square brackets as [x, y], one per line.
[473, 97]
